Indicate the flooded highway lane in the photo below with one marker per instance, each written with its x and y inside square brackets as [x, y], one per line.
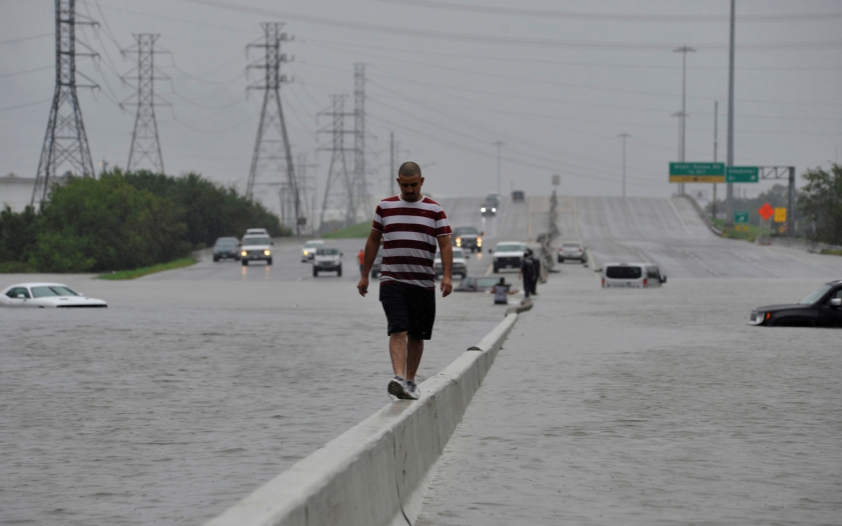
[186, 395]
[657, 406]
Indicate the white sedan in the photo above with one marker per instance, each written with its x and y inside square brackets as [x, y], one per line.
[46, 295]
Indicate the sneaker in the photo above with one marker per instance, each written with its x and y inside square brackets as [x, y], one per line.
[412, 390]
[397, 389]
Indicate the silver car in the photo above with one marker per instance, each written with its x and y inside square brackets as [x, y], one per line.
[460, 265]
[327, 260]
[632, 275]
[573, 250]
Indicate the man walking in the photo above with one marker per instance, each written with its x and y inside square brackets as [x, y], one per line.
[410, 226]
[527, 272]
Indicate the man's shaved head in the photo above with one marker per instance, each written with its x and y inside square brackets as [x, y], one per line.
[408, 169]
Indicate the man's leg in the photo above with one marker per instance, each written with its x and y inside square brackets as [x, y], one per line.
[415, 348]
[397, 350]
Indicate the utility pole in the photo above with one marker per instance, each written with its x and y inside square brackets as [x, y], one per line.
[145, 141]
[65, 142]
[624, 136]
[360, 203]
[339, 187]
[715, 145]
[683, 115]
[268, 150]
[499, 145]
[392, 173]
[729, 187]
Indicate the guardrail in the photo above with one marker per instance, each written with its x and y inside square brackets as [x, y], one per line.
[376, 473]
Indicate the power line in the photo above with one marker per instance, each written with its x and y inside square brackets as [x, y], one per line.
[16, 73]
[24, 39]
[620, 17]
[502, 40]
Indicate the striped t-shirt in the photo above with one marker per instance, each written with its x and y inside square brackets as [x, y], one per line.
[409, 239]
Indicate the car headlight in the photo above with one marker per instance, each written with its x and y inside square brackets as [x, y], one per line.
[244, 253]
[458, 241]
[306, 253]
[494, 210]
[267, 253]
[479, 241]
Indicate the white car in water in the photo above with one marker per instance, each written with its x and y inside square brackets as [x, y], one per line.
[509, 254]
[46, 295]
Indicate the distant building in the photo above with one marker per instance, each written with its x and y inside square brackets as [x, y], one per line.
[16, 192]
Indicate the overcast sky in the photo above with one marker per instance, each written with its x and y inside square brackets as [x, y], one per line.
[556, 81]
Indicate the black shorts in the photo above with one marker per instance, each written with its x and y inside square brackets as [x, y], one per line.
[409, 309]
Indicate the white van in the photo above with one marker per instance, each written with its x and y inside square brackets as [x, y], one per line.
[632, 275]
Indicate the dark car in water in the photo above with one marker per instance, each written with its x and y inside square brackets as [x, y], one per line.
[226, 247]
[822, 308]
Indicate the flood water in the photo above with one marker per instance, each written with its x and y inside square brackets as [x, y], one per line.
[184, 396]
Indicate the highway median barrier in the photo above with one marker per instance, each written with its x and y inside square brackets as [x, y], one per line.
[377, 472]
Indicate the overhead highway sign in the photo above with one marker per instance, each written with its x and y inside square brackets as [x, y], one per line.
[697, 172]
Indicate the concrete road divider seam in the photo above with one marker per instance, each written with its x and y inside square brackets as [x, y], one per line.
[377, 472]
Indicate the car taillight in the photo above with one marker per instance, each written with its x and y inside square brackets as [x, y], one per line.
[603, 282]
[645, 281]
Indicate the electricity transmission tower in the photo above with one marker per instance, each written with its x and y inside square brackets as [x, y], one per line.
[65, 142]
[145, 142]
[360, 203]
[272, 150]
[339, 187]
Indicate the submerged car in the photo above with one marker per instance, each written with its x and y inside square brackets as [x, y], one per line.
[460, 265]
[226, 247]
[509, 254]
[46, 295]
[308, 251]
[467, 237]
[632, 275]
[482, 284]
[822, 308]
[327, 260]
[256, 248]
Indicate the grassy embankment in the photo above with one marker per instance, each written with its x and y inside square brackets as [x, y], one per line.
[832, 252]
[747, 232]
[360, 230]
[145, 271]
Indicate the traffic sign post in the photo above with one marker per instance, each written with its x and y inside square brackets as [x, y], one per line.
[742, 174]
[697, 172]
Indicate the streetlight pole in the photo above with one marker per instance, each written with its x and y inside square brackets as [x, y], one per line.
[624, 136]
[499, 145]
[683, 116]
[729, 187]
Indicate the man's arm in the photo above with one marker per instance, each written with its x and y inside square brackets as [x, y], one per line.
[371, 247]
[446, 265]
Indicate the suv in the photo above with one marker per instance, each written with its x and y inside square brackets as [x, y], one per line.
[573, 250]
[632, 275]
[327, 260]
[467, 237]
[460, 265]
[256, 248]
[226, 247]
[509, 254]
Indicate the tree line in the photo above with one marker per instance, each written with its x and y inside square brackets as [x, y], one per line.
[124, 221]
[818, 210]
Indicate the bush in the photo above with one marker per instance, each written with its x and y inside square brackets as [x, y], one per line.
[821, 202]
[124, 221]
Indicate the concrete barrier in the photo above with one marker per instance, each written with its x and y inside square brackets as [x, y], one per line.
[378, 471]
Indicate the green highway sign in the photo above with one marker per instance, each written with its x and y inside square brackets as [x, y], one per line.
[742, 174]
[697, 172]
[741, 217]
